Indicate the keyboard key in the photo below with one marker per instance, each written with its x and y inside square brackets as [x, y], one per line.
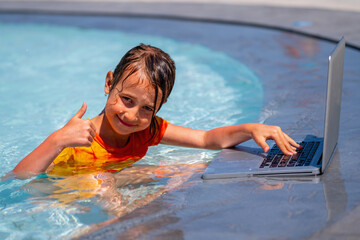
[284, 160]
[267, 161]
[276, 160]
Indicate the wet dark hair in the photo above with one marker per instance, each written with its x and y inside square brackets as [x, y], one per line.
[157, 67]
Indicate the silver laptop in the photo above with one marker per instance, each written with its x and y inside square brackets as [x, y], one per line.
[312, 159]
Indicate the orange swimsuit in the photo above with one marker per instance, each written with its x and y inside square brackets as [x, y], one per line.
[100, 157]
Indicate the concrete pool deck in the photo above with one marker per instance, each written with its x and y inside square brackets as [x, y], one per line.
[191, 216]
[328, 19]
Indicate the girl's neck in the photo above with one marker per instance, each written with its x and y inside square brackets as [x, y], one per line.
[105, 131]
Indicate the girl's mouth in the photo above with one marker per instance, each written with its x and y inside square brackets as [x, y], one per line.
[125, 123]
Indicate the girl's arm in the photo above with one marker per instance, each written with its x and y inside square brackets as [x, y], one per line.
[77, 132]
[225, 137]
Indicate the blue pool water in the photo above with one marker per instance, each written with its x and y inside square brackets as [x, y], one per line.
[47, 71]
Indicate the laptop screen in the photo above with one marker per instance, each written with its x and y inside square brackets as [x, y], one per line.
[333, 102]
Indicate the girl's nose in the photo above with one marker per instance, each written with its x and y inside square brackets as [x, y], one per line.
[132, 115]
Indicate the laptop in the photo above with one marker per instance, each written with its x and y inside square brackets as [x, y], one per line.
[312, 159]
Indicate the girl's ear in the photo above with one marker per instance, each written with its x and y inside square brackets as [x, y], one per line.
[108, 82]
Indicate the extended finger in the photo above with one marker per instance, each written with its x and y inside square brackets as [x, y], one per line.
[81, 111]
[262, 143]
[278, 136]
[283, 144]
[289, 143]
[291, 149]
[292, 141]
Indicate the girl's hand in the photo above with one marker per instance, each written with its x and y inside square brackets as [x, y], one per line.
[77, 132]
[261, 132]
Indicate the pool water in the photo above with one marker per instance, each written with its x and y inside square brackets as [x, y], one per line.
[47, 71]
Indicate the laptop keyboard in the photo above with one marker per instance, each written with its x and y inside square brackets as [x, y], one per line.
[303, 157]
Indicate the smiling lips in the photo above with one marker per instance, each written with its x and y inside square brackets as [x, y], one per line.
[125, 123]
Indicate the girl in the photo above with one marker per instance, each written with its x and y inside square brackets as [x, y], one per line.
[121, 134]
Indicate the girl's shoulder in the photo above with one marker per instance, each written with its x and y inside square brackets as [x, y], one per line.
[153, 134]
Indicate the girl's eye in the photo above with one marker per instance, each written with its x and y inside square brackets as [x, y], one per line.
[126, 99]
[148, 109]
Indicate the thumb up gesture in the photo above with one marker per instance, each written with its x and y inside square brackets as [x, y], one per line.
[78, 132]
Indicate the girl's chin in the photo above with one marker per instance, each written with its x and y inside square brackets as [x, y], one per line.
[120, 128]
[126, 130]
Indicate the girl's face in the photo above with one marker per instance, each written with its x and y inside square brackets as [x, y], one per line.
[130, 105]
